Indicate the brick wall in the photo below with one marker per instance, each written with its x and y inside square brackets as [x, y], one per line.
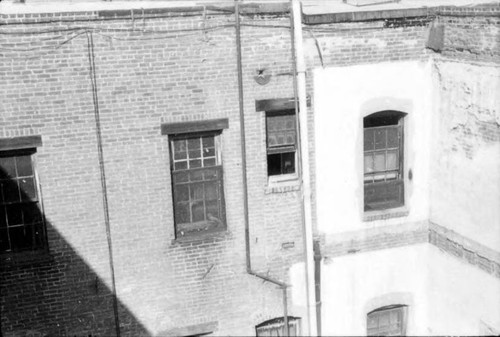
[144, 79]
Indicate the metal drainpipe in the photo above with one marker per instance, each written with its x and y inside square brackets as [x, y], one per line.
[300, 81]
[282, 285]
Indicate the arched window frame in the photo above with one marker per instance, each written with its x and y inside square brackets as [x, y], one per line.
[389, 320]
[383, 157]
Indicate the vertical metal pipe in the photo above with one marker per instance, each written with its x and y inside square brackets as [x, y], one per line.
[242, 133]
[282, 285]
[93, 81]
[306, 176]
[285, 312]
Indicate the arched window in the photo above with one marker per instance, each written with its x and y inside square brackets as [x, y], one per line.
[276, 327]
[387, 321]
[383, 160]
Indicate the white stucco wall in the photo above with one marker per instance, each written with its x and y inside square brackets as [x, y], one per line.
[445, 296]
[342, 97]
[465, 179]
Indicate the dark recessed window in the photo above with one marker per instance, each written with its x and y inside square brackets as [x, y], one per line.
[387, 321]
[21, 220]
[197, 182]
[383, 160]
[281, 142]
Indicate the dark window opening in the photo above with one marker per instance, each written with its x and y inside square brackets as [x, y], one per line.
[281, 142]
[383, 160]
[21, 220]
[197, 183]
[387, 321]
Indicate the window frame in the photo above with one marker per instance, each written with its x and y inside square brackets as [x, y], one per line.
[18, 147]
[276, 149]
[278, 323]
[400, 308]
[399, 202]
[190, 130]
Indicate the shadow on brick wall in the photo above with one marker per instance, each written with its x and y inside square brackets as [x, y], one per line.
[48, 292]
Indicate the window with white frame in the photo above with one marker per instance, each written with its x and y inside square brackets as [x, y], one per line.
[383, 152]
[281, 142]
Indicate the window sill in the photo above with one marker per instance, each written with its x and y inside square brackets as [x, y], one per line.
[385, 214]
[283, 185]
[25, 259]
[202, 237]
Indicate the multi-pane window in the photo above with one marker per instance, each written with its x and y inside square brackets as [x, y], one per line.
[387, 321]
[383, 160]
[197, 183]
[276, 327]
[21, 221]
[281, 142]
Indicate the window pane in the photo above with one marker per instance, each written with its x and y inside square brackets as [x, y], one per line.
[7, 165]
[369, 139]
[181, 193]
[209, 152]
[210, 174]
[31, 213]
[181, 165]
[22, 237]
[392, 160]
[194, 154]
[380, 135]
[290, 138]
[211, 191]
[379, 162]
[180, 151]
[193, 144]
[368, 163]
[288, 162]
[213, 210]
[198, 211]
[24, 167]
[182, 213]
[392, 137]
[194, 163]
[273, 164]
[181, 177]
[11, 191]
[208, 141]
[4, 241]
[196, 175]
[209, 162]
[383, 319]
[196, 191]
[27, 186]
[14, 215]
[3, 219]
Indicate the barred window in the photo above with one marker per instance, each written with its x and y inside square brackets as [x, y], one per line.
[383, 160]
[197, 182]
[21, 220]
[387, 321]
[281, 142]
